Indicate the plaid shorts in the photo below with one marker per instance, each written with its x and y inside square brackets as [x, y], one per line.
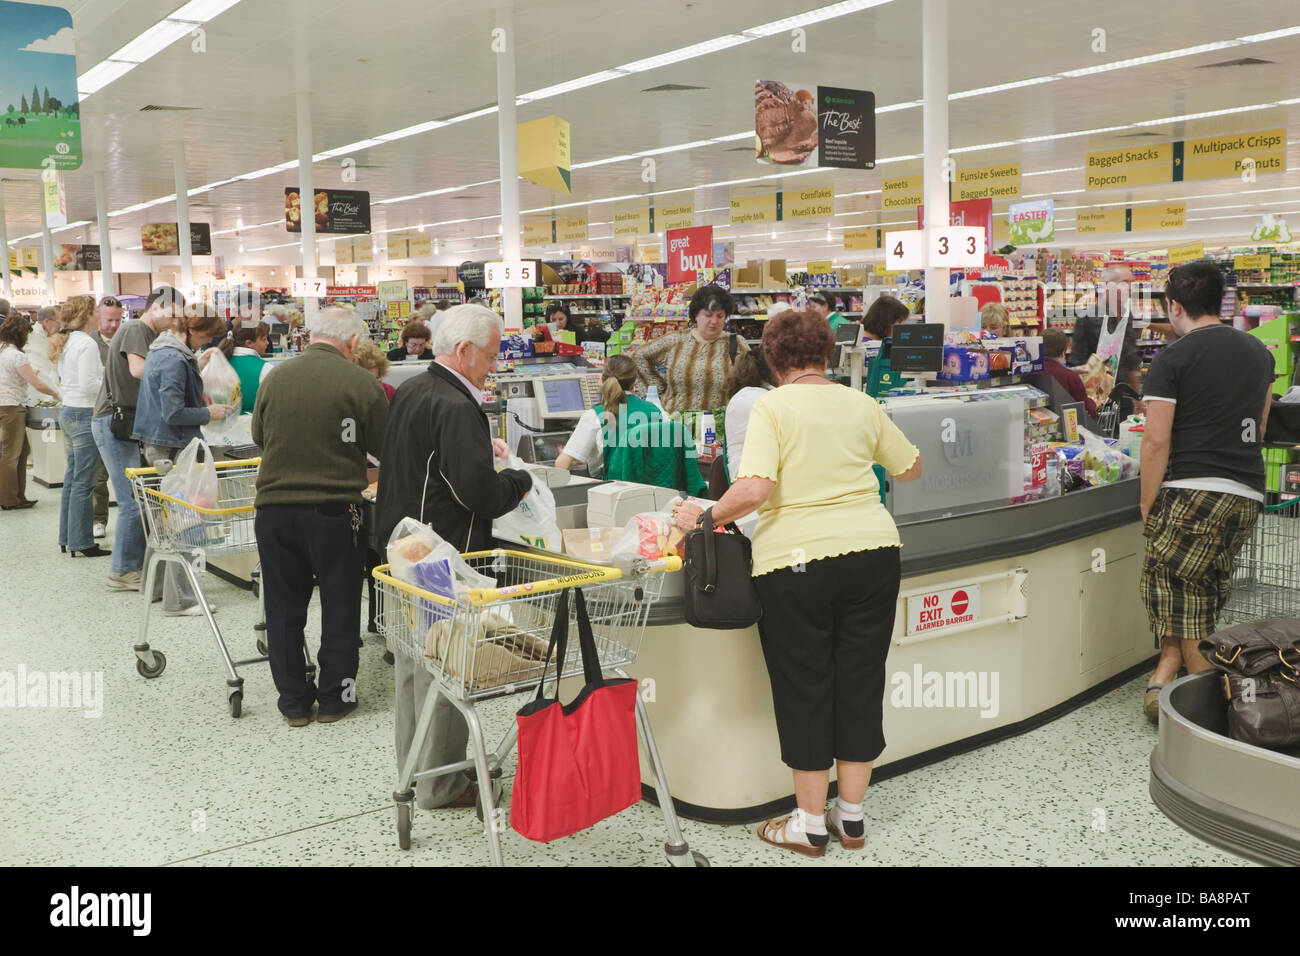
[1193, 537]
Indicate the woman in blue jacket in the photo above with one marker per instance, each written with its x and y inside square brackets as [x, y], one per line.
[170, 414]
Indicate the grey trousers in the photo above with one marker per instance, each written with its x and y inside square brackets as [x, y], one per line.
[174, 589]
[448, 734]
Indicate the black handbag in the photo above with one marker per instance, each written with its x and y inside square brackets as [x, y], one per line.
[1260, 663]
[720, 590]
[121, 422]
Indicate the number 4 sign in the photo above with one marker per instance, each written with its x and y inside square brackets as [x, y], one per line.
[904, 250]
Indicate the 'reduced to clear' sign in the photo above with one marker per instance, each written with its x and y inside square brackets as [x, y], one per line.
[938, 609]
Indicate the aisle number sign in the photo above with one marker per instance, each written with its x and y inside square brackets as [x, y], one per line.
[515, 274]
[904, 250]
[1212, 157]
[309, 288]
[940, 609]
[1184, 254]
[950, 248]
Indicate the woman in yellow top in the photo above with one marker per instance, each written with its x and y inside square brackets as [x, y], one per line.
[827, 571]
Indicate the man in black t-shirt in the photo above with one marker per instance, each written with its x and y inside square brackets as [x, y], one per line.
[1207, 398]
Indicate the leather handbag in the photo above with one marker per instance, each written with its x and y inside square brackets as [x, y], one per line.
[1260, 663]
[720, 590]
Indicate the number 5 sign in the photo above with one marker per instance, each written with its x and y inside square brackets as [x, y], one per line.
[516, 274]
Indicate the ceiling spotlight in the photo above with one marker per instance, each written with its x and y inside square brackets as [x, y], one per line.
[773, 235]
[241, 247]
[420, 227]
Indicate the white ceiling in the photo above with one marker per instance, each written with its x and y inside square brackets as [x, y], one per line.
[384, 65]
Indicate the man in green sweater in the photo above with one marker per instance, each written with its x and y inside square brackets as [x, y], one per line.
[316, 419]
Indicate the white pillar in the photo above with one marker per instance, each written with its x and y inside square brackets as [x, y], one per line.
[47, 250]
[934, 63]
[183, 211]
[107, 281]
[307, 193]
[6, 288]
[513, 299]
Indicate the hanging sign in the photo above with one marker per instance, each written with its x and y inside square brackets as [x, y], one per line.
[38, 89]
[337, 211]
[419, 247]
[517, 273]
[571, 230]
[1184, 254]
[1031, 222]
[392, 289]
[635, 219]
[162, 239]
[1214, 157]
[56, 199]
[1001, 181]
[785, 123]
[1251, 263]
[539, 232]
[1157, 216]
[973, 212]
[543, 152]
[847, 138]
[398, 248]
[862, 238]
[689, 251]
[1109, 219]
[71, 258]
[815, 203]
[343, 254]
[902, 192]
[753, 210]
[676, 217]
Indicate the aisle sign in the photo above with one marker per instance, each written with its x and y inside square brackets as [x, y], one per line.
[309, 288]
[1157, 216]
[539, 232]
[1001, 181]
[31, 259]
[689, 251]
[392, 289]
[1251, 263]
[573, 229]
[902, 192]
[754, 210]
[1134, 166]
[543, 151]
[815, 203]
[515, 274]
[905, 250]
[56, 199]
[820, 268]
[419, 247]
[634, 220]
[862, 238]
[1184, 254]
[1212, 157]
[940, 609]
[1110, 219]
[681, 216]
[363, 251]
[343, 254]
[399, 249]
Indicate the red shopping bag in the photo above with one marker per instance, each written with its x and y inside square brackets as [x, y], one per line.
[577, 763]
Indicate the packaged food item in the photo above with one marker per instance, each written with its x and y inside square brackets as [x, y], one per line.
[595, 545]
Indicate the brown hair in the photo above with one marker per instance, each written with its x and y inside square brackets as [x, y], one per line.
[416, 329]
[885, 313]
[74, 316]
[205, 327]
[793, 340]
[370, 357]
[14, 330]
[748, 371]
[1055, 342]
[246, 335]
[617, 380]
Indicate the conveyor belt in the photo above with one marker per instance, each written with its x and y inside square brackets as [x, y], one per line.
[1236, 796]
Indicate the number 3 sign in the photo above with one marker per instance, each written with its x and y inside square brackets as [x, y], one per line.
[957, 246]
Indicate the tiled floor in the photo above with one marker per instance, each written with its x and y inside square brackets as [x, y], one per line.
[165, 776]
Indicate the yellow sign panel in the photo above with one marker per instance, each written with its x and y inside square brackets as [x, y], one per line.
[1235, 144]
[902, 192]
[820, 268]
[391, 289]
[420, 248]
[1158, 216]
[538, 232]
[1100, 220]
[31, 258]
[399, 248]
[881, 269]
[632, 220]
[862, 238]
[543, 150]
[675, 217]
[362, 251]
[749, 210]
[1251, 263]
[1001, 181]
[571, 230]
[399, 309]
[651, 253]
[343, 254]
[14, 264]
[1127, 156]
[1129, 176]
[1184, 254]
[1230, 167]
[1001, 232]
[815, 203]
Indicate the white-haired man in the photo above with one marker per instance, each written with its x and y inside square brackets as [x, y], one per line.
[1113, 295]
[316, 419]
[439, 468]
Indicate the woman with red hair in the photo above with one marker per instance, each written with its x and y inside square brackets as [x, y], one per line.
[826, 568]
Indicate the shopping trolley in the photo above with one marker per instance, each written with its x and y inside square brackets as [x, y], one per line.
[1264, 577]
[187, 535]
[493, 641]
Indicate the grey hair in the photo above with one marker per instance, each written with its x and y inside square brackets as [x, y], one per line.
[336, 324]
[47, 314]
[279, 311]
[465, 323]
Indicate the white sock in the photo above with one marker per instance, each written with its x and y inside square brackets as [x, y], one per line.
[848, 811]
[814, 824]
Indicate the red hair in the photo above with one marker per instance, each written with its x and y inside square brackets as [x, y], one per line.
[794, 340]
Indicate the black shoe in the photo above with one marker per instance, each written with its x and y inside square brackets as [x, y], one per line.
[323, 717]
[18, 507]
[94, 551]
[388, 658]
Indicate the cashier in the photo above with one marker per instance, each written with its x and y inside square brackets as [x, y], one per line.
[601, 425]
[823, 304]
[558, 320]
[414, 343]
[885, 313]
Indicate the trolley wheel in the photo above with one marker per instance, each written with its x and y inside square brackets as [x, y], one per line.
[261, 646]
[159, 663]
[404, 826]
[236, 702]
[700, 859]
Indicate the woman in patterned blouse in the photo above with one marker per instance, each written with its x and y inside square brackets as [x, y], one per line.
[691, 368]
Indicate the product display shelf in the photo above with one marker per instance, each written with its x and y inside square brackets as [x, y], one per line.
[586, 295]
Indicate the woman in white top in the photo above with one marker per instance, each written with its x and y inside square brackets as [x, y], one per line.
[16, 373]
[587, 443]
[750, 380]
[80, 374]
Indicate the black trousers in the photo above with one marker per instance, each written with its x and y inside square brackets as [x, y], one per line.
[295, 544]
[826, 632]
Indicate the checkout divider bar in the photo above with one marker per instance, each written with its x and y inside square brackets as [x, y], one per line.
[1019, 610]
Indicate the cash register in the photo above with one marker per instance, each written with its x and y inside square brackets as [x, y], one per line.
[542, 411]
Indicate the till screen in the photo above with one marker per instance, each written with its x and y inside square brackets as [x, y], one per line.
[563, 395]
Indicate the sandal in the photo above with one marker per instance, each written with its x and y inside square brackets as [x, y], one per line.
[774, 832]
[1151, 702]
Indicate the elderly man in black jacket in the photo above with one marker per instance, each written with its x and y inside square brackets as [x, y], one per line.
[439, 468]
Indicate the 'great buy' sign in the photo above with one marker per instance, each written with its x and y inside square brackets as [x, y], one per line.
[689, 251]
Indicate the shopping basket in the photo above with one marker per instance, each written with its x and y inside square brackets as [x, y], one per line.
[1264, 582]
[493, 641]
[187, 535]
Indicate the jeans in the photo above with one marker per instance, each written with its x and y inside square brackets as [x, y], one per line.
[296, 544]
[76, 530]
[175, 590]
[128, 533]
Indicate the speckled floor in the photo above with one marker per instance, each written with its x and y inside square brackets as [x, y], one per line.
[165, 776]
